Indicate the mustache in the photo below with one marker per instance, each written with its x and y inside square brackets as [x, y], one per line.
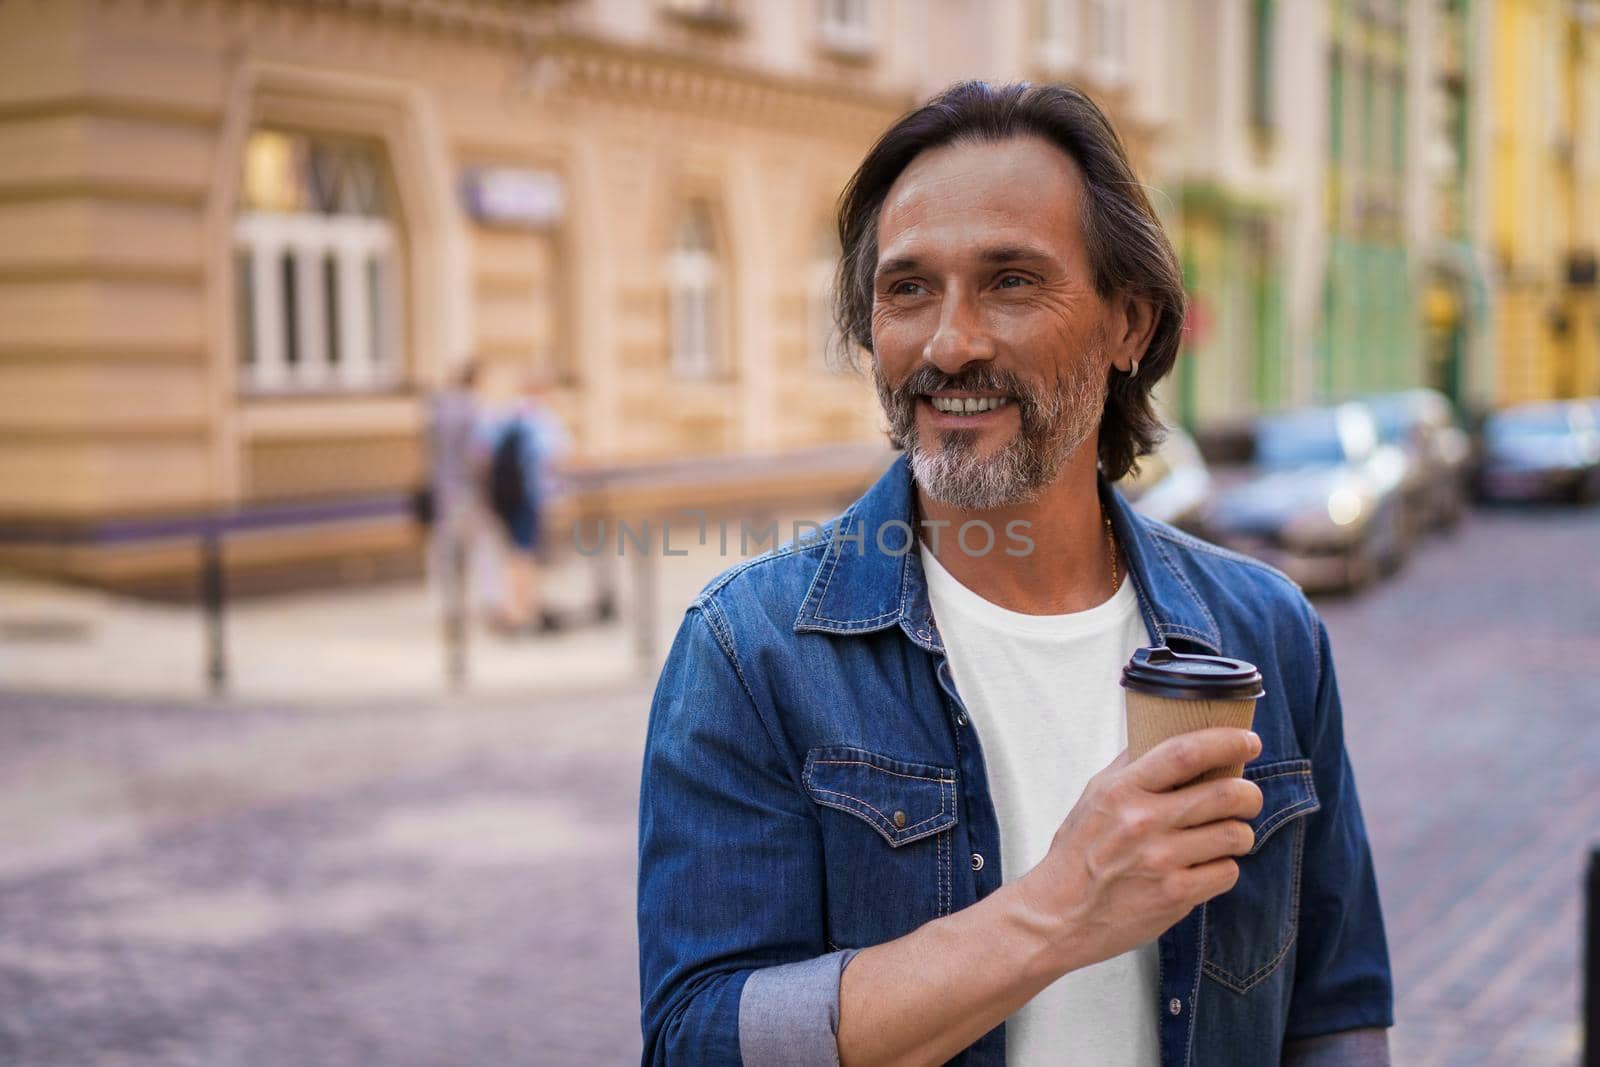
[1037, 407]
[984, 377]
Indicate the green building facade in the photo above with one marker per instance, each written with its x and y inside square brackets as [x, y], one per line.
[1232, 246]
[1232, 255]
[1367, 337]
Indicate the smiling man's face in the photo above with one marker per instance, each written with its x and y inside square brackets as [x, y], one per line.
[989, 340]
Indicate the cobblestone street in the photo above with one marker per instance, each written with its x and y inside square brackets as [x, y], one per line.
[447, 882]
[1469, 692]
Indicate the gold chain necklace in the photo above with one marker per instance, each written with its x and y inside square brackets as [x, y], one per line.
[1111, 554]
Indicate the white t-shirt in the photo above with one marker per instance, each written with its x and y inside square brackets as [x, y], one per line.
[1042, 693]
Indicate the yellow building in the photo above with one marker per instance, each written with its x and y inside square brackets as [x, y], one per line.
[241, 242]
[1545, 182]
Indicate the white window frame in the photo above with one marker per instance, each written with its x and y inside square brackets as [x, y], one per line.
[846, 27]
[1059, 50]
[694, 278]
[1108, 42]
[363, 250]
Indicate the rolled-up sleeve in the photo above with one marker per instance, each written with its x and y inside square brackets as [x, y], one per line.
[789, 1014]
[1347, 1048]
[733, 961]
[1342, 978]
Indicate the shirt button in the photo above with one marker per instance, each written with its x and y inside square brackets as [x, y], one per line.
[1175, 1006]
[899, 820]
[961, 720]
[977, 861]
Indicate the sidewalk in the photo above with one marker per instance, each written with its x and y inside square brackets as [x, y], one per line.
[350, 644]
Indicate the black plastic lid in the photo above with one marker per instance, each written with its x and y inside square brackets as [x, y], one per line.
[1162, 672]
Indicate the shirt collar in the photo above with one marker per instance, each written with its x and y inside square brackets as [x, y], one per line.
[870, 576]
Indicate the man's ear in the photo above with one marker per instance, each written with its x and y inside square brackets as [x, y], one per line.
[1133, 323]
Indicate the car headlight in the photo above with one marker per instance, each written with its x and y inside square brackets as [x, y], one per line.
[1320, 528]
[1344, 507]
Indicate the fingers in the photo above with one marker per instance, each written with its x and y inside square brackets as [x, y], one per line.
[1183, 758]
[1199, 884]
[1206, 802]
[1203, 844]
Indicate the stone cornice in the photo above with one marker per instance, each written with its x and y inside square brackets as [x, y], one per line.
[567, 61]
[501, 20]
[575, 67]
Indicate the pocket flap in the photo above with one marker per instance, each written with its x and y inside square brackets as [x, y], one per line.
[1287, 792]
[902, 801]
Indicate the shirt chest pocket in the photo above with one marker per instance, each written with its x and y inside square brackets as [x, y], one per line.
[887, 826]
[1250, 929]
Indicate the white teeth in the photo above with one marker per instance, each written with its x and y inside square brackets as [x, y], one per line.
[950, 405]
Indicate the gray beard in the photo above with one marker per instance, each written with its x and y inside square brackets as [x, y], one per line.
[1055, 423]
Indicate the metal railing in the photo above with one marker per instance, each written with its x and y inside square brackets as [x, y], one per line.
[646, 493]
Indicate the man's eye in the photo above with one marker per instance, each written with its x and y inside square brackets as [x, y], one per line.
[905, 288]
[1013, 281]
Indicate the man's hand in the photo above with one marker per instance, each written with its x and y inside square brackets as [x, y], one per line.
[1135, 854]
[1140, 849]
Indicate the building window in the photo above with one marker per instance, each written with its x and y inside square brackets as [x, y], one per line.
[694, 276]
[712, 13]
[821, 330]
[1397, 127]
[1263, 113]
[1336, 109]
[845, 27]
[1060, 28]
[1108, 39]
[315, 250]
[1379, 140]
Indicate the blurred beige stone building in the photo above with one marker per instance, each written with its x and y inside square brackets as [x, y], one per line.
[241, 242]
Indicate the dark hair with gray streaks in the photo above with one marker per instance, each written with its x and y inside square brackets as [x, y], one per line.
[1128, 250]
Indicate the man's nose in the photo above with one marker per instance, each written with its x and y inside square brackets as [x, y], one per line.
[960, 338]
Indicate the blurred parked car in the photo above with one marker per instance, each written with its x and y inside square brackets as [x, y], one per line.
[1324, 503]
[1438, 455]
[1548, 451]
[1172, 483]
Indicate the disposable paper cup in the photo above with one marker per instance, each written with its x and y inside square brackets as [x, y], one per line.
[1171, 693]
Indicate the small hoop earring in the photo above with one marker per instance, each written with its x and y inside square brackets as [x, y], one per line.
[1134, 373]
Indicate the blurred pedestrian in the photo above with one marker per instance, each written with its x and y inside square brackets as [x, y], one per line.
[452, 439]
[526, 446]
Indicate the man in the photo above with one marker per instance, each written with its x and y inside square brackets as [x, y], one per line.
[886, 813]
[525, 447]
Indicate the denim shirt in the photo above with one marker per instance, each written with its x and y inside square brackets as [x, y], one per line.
[813, 785]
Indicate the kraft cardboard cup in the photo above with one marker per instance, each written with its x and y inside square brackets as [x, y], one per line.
[1171, 693]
